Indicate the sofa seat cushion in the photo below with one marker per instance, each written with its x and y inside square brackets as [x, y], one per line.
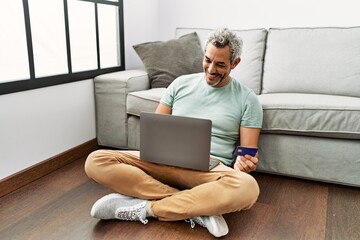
[144, 101]
[311, 114]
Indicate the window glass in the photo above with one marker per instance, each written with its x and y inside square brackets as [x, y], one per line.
[82, 29]
[14, 63]
[48, 37]
[109, 35]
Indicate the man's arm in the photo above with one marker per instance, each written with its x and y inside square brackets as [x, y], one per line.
[249, 137]
[164, 109]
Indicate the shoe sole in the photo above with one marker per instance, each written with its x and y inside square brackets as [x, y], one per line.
[220, 226]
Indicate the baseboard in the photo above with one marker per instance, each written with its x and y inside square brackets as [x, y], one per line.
[43, 168]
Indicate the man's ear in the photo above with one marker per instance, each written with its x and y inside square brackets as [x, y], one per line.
[235, 63]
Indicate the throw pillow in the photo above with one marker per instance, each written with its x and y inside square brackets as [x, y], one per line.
[165, 61]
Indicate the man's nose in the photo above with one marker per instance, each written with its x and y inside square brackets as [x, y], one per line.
[212, 68]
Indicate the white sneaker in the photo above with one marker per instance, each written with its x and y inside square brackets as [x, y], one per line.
[118, 206]
[216, 225]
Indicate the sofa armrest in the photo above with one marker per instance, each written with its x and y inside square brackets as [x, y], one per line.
[111, 91]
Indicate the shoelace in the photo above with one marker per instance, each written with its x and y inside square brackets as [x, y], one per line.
[132, 214]
[194, 220]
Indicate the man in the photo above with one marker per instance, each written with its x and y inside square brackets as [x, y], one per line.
[149, 190]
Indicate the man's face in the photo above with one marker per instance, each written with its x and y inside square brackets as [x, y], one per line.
[217, 65]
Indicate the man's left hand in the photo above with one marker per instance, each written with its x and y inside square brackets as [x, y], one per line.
[246, 163]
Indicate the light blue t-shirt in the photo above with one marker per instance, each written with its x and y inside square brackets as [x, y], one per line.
[228, 107]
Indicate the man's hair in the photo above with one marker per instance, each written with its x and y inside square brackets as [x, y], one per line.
[223, 37]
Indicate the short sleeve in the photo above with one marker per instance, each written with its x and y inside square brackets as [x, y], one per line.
[253, 112]
[169, 95]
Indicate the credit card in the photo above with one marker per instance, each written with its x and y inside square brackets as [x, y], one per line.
[242, 151]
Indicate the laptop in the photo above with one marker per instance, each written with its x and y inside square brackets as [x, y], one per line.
[176, 141]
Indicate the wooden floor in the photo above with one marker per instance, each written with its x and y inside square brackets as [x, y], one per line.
[57, 207]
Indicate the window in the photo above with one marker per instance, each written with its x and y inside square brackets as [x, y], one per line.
[46, 43]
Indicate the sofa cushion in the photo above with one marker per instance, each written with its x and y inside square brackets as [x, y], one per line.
[313, 60]
[165, 61]
[144, 101]
[249, 71]
[311, 114]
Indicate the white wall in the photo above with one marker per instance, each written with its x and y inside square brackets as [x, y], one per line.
[38, 124]
[243, 14]
[141, 18]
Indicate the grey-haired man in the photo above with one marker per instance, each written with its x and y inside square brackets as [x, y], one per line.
[145, 189]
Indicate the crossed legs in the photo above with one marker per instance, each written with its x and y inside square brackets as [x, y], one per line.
[176, 193]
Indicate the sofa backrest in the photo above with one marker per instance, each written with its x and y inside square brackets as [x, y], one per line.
[313, 60]
[249, 71]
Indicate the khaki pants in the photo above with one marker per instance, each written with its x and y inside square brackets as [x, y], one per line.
[176, 193]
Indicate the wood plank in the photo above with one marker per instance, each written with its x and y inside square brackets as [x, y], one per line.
[22, 203]
[343, 213]
[299, 207]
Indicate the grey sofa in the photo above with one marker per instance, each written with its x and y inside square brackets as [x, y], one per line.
[308, 82]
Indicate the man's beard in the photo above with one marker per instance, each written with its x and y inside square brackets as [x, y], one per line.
[222, 78]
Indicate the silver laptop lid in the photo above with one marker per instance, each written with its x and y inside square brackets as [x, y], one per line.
[175, 140]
